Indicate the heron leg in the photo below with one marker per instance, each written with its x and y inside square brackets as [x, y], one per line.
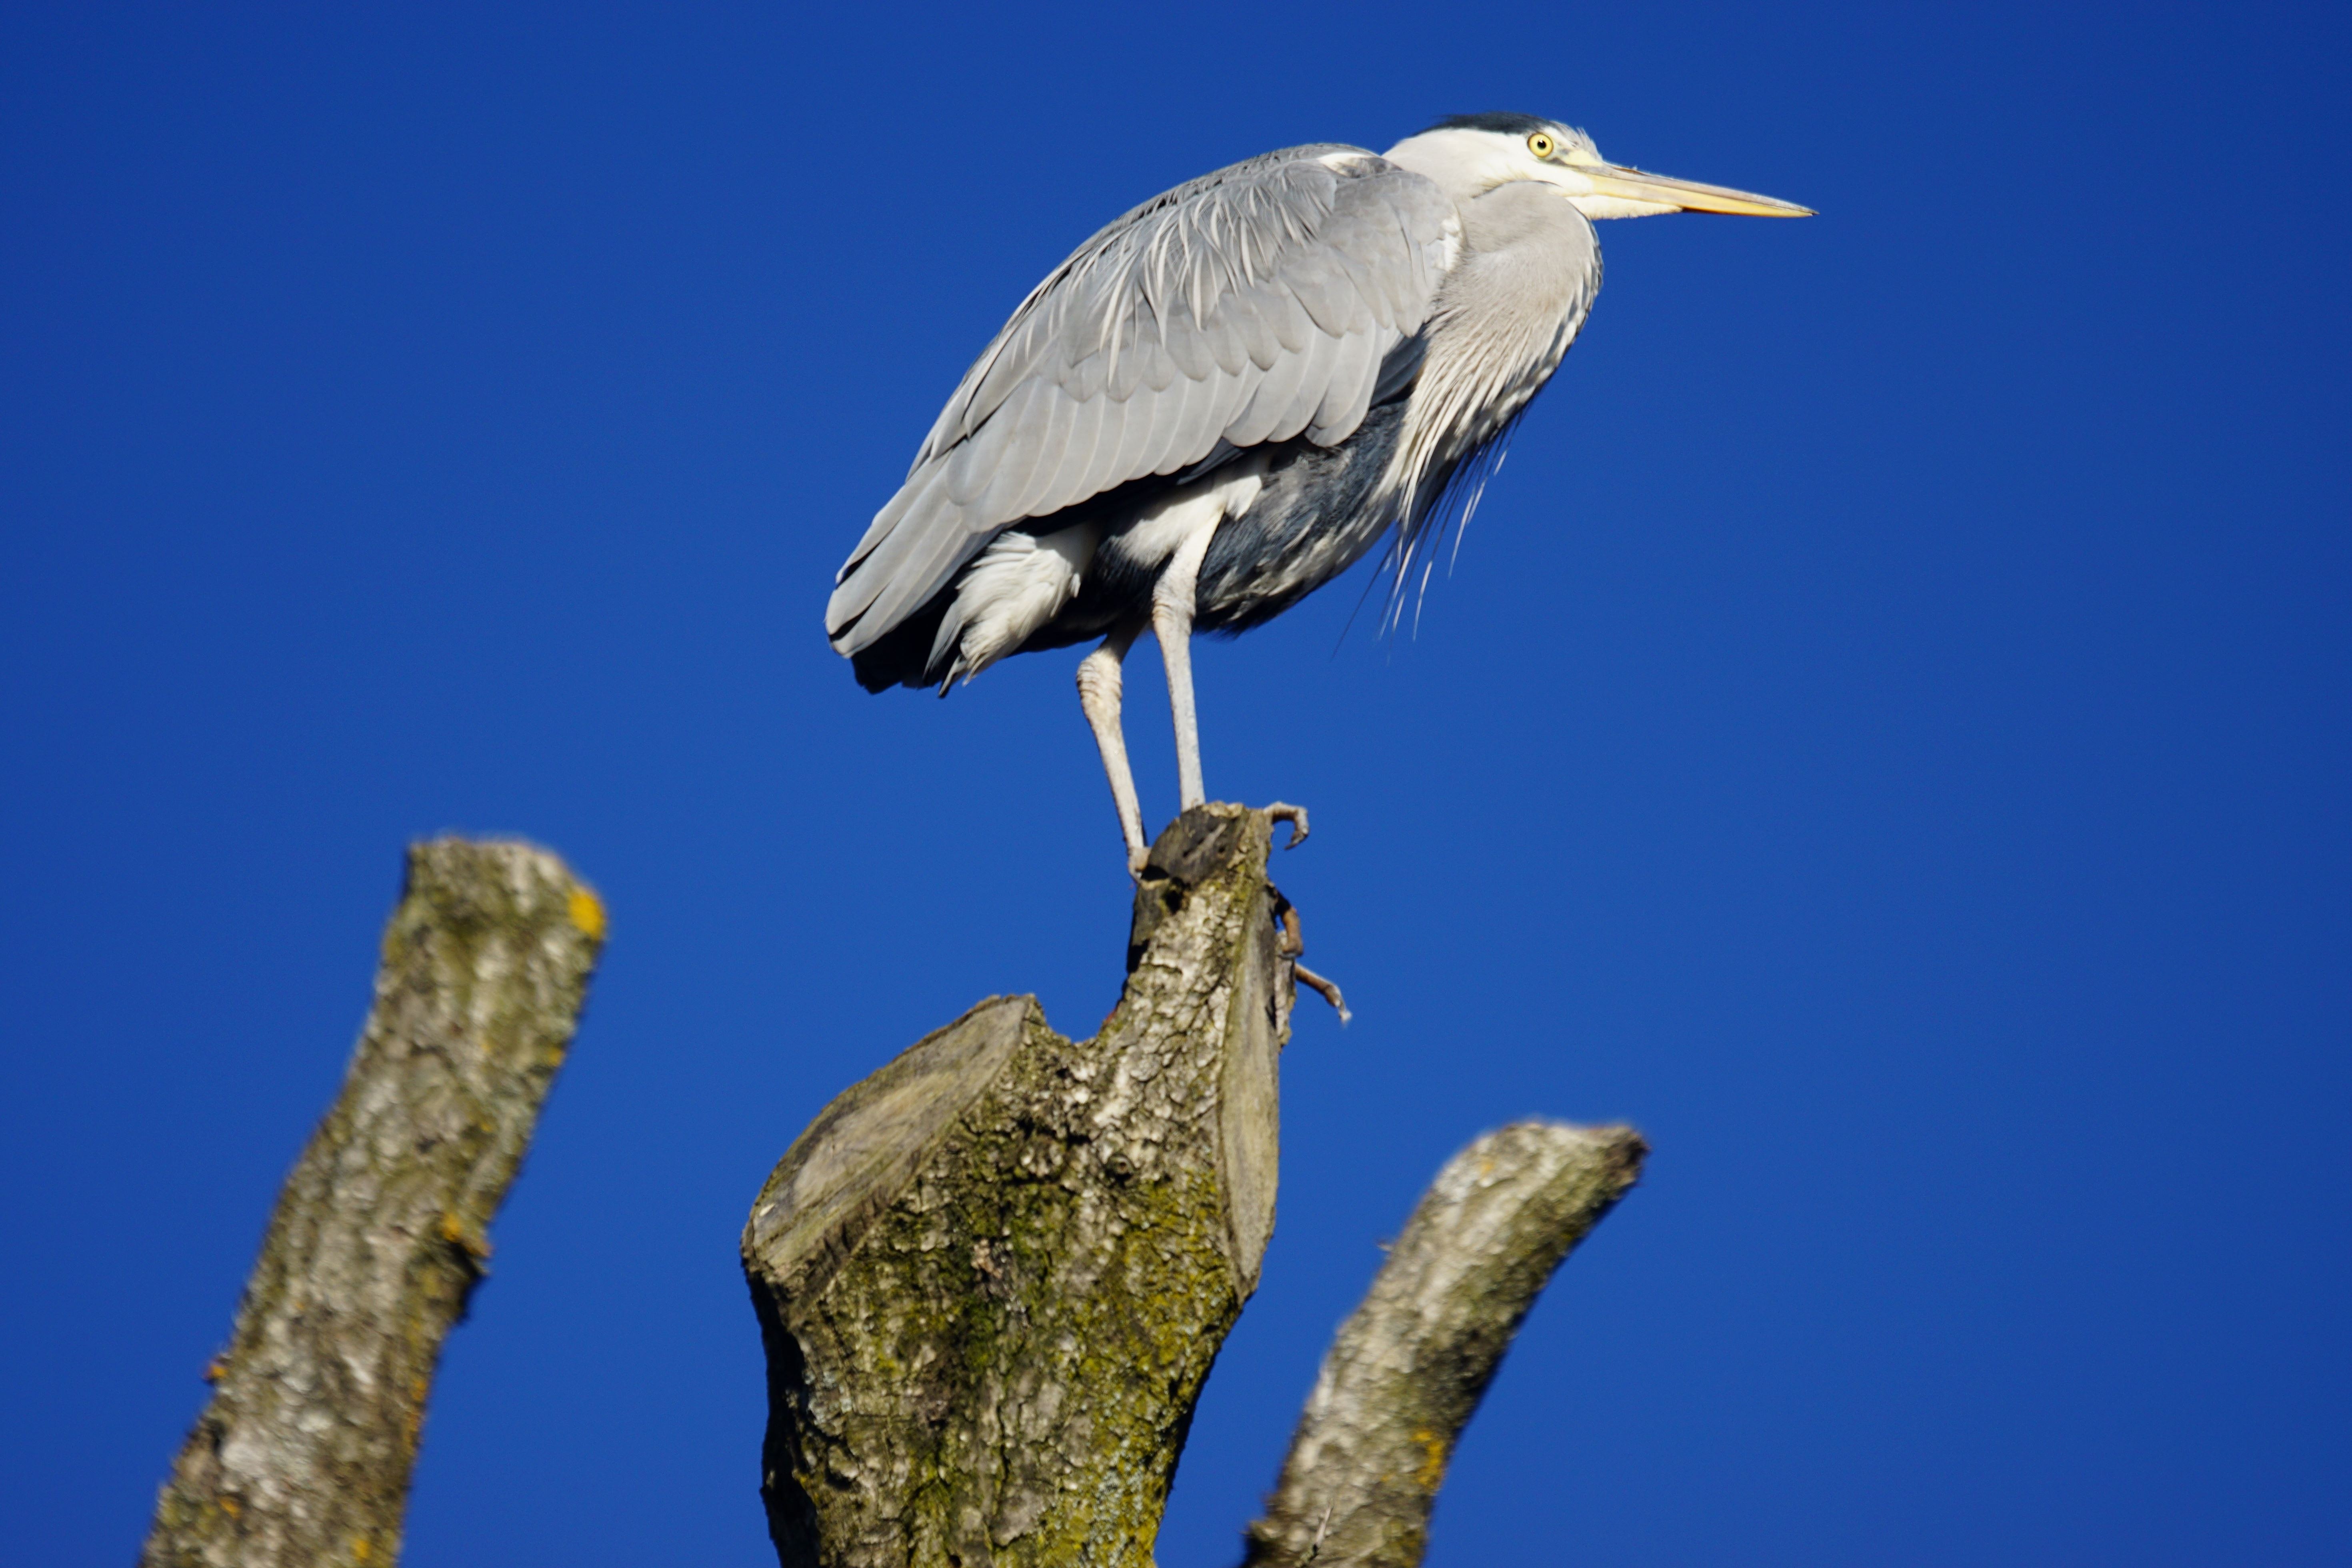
[1171, 624]
[1099, 681]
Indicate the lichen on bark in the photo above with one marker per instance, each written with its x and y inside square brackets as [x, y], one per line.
[992, 1278]
[1408, 1368]
[381, 1234]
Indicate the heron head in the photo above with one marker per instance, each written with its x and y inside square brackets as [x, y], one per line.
[1470, 154]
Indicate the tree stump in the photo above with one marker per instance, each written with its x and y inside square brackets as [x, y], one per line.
[992, 1278]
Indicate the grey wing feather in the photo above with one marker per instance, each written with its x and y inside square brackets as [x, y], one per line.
[1247, 306]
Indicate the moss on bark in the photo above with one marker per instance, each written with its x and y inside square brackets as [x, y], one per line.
[382, 1232]
[992, 1277]
[1408, 1369]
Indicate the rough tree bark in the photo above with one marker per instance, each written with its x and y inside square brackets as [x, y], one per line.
[1408, 1367]
[380, 1235]
[991, 1277]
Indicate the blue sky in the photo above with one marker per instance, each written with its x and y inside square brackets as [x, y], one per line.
[1884, 736]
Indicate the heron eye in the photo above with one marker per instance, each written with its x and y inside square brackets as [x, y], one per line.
[1540, 145]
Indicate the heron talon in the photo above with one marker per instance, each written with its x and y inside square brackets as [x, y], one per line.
[1289, 945]
[1323, 988]
[1282, 811]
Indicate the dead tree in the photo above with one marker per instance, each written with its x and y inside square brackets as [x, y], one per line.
[991, 1279]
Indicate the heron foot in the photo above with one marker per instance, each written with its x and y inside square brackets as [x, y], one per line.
[1282, 811]
[1290, 945]
[1323, 988]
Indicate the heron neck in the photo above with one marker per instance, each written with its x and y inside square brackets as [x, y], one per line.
[1462, 163]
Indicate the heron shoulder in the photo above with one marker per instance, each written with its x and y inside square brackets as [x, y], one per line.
[1173, 260]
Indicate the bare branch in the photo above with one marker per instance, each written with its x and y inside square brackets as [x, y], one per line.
[1408, 1369]
[304, 1453]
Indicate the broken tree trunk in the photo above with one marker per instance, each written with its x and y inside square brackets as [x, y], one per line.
[1408, 1367]
[304, 1453]
[992, 1277]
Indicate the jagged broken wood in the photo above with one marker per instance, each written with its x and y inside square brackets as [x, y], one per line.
[304, 1452]
[991, 1277]
[1408, 1367]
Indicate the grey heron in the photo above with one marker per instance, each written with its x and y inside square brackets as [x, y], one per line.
[1229, 396]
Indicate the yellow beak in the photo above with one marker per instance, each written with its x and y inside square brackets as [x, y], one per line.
[1686, 195]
